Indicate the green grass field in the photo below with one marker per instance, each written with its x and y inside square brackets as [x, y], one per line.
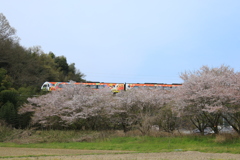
[111, 141]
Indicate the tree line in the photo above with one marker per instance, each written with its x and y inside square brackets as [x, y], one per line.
[208, 97]
[24, 70]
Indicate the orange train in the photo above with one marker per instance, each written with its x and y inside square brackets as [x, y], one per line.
[115, 87]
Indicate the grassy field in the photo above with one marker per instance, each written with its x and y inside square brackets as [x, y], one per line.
[124, 142]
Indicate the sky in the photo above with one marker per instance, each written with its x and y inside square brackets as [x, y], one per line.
[131, 41]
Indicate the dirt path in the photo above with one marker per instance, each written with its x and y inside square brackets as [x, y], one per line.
[73, 154]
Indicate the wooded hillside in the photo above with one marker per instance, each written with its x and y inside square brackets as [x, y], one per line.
[23, 71]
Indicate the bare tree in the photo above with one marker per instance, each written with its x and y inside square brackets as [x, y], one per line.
[6, 31]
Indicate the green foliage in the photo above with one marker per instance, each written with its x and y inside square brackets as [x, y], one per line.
[61, 62]
[26, 70]
[11, 96]
[30, 67]
[33, 67]
[52, 55]
[5, 80]
[8, 113]
[3, 72]
[25, 92]
[67, 72]
[167, 119]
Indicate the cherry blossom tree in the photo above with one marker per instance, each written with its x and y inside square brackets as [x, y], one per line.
[231, 111]
[208, 93]
[68, 106]
[83, 107]
[140, 108]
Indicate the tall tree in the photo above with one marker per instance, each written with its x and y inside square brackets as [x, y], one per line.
[6, 31]
[7, 38]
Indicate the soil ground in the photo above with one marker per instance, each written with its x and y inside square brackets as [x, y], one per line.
[8, 153]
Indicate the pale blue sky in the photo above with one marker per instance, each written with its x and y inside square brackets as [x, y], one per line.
[133, 41]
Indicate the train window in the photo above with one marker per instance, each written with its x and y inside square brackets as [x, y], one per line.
[60, 86]
[135, 87]
[151, 87]
[45, 86]
[92, 86]
[100, 86]
[160, 87]
[167, 88]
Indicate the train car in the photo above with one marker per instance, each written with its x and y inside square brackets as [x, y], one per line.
[52, 86]
[114, 87]
[151, 86]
